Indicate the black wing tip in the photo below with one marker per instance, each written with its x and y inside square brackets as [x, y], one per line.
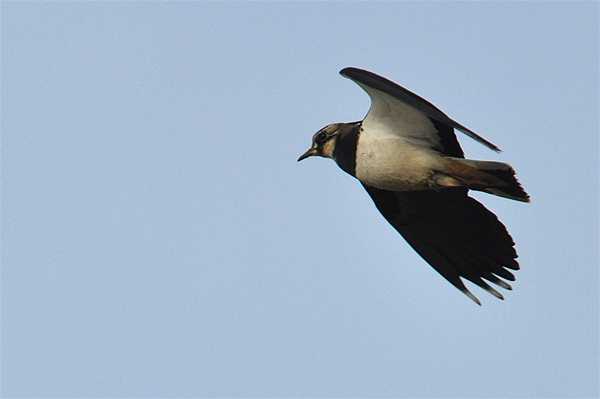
[357, 73]
[350, 70]
[470, 295]
[490, 290]
[364, 76]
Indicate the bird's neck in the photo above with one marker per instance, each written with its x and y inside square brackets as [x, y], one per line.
[344, 153]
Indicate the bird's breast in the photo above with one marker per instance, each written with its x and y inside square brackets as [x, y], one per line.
[395, 164]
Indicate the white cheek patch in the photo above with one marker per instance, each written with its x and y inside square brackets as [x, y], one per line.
[327, 149]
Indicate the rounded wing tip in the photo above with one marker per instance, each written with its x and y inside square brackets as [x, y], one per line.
[347, 72]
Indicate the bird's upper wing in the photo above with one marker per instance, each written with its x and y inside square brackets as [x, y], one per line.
[397, 111]
[454, 233]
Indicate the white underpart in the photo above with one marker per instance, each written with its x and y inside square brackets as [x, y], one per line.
[389, 117]
[396, 146]
[394, 164]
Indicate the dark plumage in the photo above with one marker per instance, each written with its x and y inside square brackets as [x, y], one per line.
[407, 157]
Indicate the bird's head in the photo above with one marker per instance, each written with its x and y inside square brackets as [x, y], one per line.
[324, 141]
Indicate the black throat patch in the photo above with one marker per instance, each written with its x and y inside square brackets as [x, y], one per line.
[344, 152]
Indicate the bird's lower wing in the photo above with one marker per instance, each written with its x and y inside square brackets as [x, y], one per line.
[454, 233]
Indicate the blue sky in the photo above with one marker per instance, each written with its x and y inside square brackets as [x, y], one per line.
[160, 240]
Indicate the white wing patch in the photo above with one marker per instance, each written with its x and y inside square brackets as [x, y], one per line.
[389, 117]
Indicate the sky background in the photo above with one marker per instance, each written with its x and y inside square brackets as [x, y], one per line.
[159, 238]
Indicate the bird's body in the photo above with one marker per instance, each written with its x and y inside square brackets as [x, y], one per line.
[393, 164]
[406, 155]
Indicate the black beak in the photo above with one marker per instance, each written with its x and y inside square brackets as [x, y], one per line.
[307, 154]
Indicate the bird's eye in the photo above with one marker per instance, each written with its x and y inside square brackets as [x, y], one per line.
[321, 138]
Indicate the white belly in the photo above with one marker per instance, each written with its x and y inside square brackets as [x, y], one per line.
[394, 164]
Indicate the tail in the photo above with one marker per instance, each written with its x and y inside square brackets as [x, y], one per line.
[488, 176]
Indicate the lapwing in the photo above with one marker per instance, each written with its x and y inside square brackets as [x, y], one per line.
[406, 155]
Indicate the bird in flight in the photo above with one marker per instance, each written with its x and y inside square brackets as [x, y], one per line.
[407, 157]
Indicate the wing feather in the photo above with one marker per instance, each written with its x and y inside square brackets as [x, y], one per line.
[454, 233]
[384, 93]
